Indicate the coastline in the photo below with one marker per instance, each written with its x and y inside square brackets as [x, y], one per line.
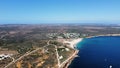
[69, 60]
[104, 35]
[72, 44]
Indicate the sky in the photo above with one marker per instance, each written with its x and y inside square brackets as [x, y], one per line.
[59, 11]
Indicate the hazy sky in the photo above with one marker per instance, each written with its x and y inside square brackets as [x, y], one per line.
[64, 11]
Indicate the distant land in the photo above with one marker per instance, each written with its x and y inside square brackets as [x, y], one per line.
[46, 45]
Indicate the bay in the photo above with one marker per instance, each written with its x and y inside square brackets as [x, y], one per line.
[98, 52]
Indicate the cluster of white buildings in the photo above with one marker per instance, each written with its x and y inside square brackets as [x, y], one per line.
[63, 35]
[3, 56]
[72, 35]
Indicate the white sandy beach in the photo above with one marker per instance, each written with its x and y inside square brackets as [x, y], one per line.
[72, 42]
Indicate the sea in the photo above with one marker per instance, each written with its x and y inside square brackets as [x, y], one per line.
[98, 52]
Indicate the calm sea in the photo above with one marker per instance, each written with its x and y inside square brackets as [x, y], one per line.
[98, 52]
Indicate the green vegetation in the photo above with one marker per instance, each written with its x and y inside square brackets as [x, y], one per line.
[26, 38]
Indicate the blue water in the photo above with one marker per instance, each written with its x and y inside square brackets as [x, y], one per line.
[98, 52]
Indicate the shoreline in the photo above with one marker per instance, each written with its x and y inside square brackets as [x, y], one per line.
[72, 43]
[70, 59]
[104, 35]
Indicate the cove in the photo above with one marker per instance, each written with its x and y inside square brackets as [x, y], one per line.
[98, 52]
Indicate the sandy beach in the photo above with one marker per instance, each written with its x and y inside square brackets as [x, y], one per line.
[72, 42]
